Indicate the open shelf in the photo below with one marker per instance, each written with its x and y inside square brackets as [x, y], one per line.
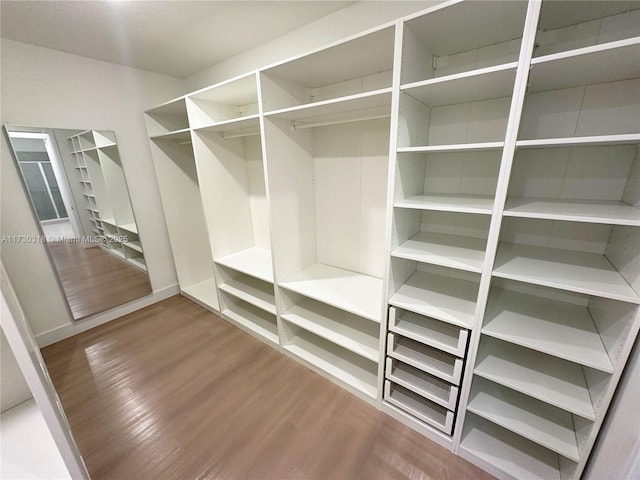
[549, 379]
[507, 452]
[167, 118]
[540, 422]
[252, 261]
[434, 333]
[251, 290]
[561, 329]
[348, 368]
[183, 134]
[356, 334]
[460, 203]
[236, 126]
[593, 211]
[251, 318]
[350, 291]
[138, 262]
[376, 104]
[204, 292]
[129, 227]
[483, 84]
[619, 139]
[454, 251]
[430, 387]
[582, 272]
[421, 408]
[445, 298]
[425, 358]
[462, 147]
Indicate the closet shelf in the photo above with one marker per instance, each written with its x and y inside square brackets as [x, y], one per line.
[129, 227]
[482, 204]
[609, 62]
[249, 123]
[253, 261]
[429, 360]
[561, 329]
[320, 320]
[549, 379]
[111, 221]
[540, 422]
[425, 410]
[339, 110]
[434, 333]
[472, 86]
[134, 246]
[350, 291]
[454, 251]
[507, 451]
[332, 361]
[138, 262]
[592, 211]
[182, 134]
[620, 139]
[581, 272]
[254, 320]
[204, 291]
[461, 147]
[444, 298]
[253, 291]
[425, 385]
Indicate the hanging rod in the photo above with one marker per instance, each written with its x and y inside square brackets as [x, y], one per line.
[300, 126]
[239, 135]
[184, 142]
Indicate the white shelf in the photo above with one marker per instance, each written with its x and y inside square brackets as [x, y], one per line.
[461, 147]
[620, 139]
[255, 320]
[425, 385]
[138, 262]
[423, 409]
[592, 211]
[540, 422]
[482, 84]
[134, 246]
[568, 270]
[337, 110]
[129, 227]
[434, 333]
[249, 123]
[482, 204]
[177, 135]
[425, 358]
[557, 328]
[253, 261]
[352, 332]
[608, 62]
[510, 453]
[204, 292]
[118, 253]
[444, 298]
[454, 251]
[350, 291]
[335, 361]
[110, 221]
[552, 380]
[256, 292]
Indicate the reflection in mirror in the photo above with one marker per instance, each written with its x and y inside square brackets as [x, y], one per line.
[79, 197]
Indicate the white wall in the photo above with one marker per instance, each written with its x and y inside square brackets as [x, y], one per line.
[47, 88]
[334, 27]
[13, 388]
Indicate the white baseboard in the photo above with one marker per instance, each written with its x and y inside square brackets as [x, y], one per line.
[69, 330]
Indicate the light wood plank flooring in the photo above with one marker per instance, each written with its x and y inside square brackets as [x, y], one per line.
[174, 392]
[95, 280]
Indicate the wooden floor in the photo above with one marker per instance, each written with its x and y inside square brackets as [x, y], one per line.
[174, 392]
[95, 280]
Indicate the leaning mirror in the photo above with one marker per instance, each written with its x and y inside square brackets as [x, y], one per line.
[78, 193]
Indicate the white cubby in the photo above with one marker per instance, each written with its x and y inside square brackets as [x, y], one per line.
[354, 372]
[247, 288]
[429, 360]
[430, 387]
[331, 73]
[257, 321]
[352, 332]
[168, 120]
[437, 334]
[421, 408]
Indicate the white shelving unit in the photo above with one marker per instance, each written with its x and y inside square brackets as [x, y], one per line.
[104, 188]
[440, 214]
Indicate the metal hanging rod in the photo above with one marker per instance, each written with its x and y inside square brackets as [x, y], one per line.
[303, 125]
[239, 135]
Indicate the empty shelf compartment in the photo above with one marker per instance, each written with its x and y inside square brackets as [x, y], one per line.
[258, 322]
[252, 290]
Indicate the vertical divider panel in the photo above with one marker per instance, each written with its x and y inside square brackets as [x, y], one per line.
[517, 102]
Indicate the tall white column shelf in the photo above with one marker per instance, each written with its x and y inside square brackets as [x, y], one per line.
[104, 188]
[481, 282]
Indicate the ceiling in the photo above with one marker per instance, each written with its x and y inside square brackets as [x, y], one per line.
[177, 38]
